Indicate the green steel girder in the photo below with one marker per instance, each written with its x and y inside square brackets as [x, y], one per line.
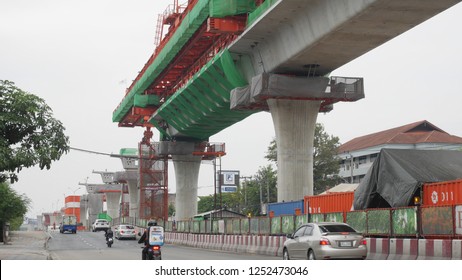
[201, 108]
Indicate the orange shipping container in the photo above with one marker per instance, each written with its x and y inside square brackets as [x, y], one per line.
[443, 193]
[329, 203]
[74, 212]
[72, 198]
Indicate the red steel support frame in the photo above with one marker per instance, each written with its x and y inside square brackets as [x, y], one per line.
[153, 182]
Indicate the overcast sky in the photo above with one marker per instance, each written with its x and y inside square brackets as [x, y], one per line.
[79, 56]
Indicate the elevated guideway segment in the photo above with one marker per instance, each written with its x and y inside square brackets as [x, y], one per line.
[112, 193]
[285, 38]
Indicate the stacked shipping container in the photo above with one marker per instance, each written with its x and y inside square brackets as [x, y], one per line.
[329, 203]
[442, 193]
[72, 206]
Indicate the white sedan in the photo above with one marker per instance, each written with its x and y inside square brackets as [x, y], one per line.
[125, 231]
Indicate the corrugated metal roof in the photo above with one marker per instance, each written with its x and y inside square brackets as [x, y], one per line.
[342, 188]
[414, 133]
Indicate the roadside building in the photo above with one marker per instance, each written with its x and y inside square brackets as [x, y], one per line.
[358, 154]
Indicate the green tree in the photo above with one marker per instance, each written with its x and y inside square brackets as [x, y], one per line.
[325, 160]
[255, 192]
[13, 206]
[229, 201]
[247, 200]
[29, 135]
[171, 209]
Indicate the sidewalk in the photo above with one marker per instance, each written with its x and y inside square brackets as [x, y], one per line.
[25, 245]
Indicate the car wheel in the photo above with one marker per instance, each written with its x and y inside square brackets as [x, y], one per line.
[285, 254]
[311, 255]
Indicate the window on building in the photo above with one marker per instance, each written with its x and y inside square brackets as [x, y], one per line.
[373, 157]
[362, 159]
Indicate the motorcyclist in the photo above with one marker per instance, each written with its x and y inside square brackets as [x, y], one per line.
[145, 238]
[109, 234]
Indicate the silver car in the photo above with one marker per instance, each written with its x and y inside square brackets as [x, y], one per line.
[125, 231]
[325, 241]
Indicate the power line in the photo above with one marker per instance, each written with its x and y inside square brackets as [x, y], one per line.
[90, 152]
[128, 157]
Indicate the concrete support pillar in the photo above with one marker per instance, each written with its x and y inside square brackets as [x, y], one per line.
[294, 123]
[112, 201]
[84, 209]
[186, 174]
[95, 206]
[130, 177]
[134, 193]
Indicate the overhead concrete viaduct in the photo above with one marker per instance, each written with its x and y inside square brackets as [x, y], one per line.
[299, 38]
[113, 194]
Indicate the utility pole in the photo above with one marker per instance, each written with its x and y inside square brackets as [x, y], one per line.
[261, 197]
[245, 188]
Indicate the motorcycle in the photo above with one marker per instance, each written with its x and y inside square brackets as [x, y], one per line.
[153, 253]
[109, 242]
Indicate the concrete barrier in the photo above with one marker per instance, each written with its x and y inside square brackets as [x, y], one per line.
[208, 242]
[273, 246]
[403, 249]
[263, 243]
[200, 240]
[242, 241]
[196, 240]
[252, 247]
[228, 243]
[435, 249]
[457, 249]
[216, 242]
[235, 243]
[377, 248]
[188, 239]
[205, 241]
[281, 241]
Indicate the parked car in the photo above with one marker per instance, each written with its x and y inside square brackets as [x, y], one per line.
[100, 225]
[125, 231]
[325, 240]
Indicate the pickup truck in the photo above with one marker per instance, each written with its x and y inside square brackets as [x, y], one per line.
[68, 224]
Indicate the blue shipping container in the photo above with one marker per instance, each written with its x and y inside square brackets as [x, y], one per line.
[286, 208]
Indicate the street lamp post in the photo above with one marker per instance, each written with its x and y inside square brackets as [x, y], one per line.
[245, 189]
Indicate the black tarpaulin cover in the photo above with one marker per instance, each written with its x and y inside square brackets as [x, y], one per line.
[396, 175]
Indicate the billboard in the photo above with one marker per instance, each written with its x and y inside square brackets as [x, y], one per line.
[229, 180]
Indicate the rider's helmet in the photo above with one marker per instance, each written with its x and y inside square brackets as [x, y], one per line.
[152, 223]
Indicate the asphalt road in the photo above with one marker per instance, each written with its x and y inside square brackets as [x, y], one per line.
[92, 246]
